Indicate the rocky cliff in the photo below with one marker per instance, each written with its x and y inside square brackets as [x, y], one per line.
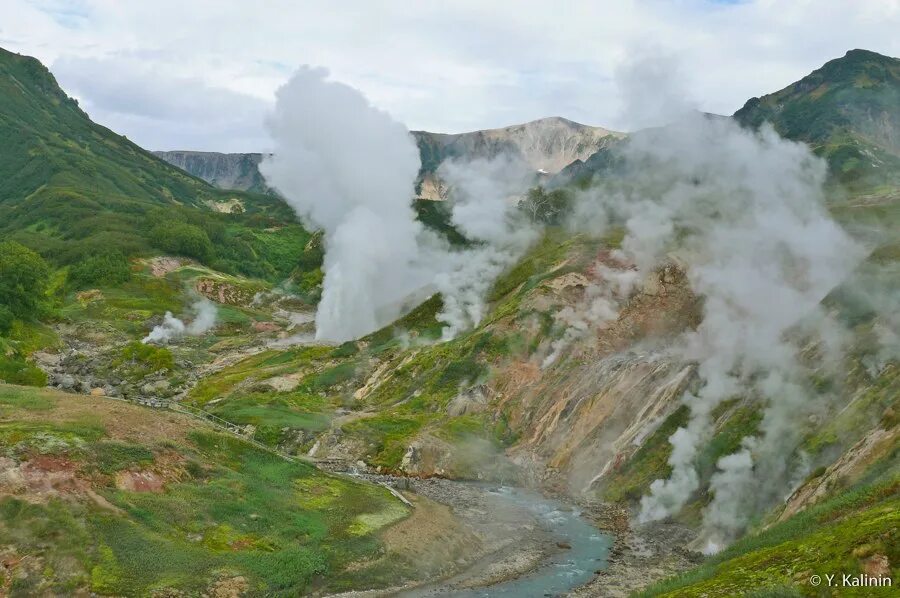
[226, 171]
[547, 145]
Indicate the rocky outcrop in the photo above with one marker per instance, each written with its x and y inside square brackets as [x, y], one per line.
[842, 473]
[547, 146]
[226, 171]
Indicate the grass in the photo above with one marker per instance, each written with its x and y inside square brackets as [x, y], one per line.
[21, 398]
[387, 436]
[227, 509]
[833, 537]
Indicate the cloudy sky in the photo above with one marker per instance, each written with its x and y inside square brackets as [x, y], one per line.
[201, 74]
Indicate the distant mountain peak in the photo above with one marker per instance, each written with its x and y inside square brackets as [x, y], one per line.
[547, 145]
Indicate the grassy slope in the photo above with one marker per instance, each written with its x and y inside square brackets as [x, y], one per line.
[846, 110]
[420, 376]
[833, 537]
[227, 509]
[70, 188]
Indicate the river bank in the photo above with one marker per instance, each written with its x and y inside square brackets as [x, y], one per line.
[534, 545]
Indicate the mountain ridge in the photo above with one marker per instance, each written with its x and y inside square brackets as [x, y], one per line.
[235, 170]
[846, 110]
[545, 145]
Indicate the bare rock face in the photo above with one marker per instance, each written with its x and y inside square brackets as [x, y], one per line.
[226, 171]
[547, 146]
[843, 472]
[427, 456]
[470, 401]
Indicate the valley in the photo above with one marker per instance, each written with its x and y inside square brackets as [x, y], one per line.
[146, 451]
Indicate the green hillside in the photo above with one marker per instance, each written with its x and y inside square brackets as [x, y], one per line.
[848, 111]
[70, 188]
[214, 495]
[137, 502]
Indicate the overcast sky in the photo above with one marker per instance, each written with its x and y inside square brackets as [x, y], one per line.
[201, 74]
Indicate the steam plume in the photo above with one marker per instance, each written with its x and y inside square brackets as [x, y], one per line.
[483, 194]
[349, 169]
[204, 319]
[745, 211]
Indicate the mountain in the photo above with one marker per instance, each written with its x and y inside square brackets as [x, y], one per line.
[848, 111]
[50, 146]
[225, 171]
[71, 189]
[188, 468]
[546, 145]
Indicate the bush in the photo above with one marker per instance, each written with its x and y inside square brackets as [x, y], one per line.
[106, 269]
[546, 207]
[6, 319]
[151, 358]
[18, 371]
[23, 280]
[179, 238]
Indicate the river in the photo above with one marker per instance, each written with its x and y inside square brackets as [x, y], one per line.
[560, 571]
[562, 549]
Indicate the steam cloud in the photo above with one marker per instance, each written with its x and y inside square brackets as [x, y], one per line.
[483, 194]
[349, 169]
[745, 212]
[763, 253]
[172, 328]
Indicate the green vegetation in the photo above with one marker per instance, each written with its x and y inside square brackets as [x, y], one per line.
[72, 190]
[833, 537]
[546, 207]
[23, 282]
[225, 509]
[16, 370]
[146, 358]
[846, 111]
[109, 268]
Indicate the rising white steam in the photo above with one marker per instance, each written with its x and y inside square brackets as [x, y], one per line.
[349, 169]
[745, 212]
[600, 306]
[205, 314]
[483, 194]
[761, 251]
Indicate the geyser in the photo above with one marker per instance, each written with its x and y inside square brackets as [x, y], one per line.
[349, 169]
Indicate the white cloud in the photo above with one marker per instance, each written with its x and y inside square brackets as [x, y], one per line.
[433, 65]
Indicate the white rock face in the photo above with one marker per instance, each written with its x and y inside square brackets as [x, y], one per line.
[547, 145]
[226, 171]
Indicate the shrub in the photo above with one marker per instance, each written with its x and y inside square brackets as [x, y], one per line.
[23, 280]
[6, 319]
[107, 269]
[180, 238]
[149, 357]
[18, 371]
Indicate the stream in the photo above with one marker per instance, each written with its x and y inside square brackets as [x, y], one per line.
[561, 571]
[570, 548]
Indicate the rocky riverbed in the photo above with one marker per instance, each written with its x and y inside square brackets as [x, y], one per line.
[517, 543]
